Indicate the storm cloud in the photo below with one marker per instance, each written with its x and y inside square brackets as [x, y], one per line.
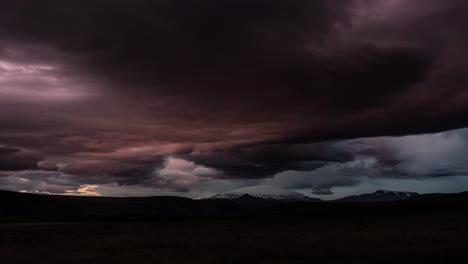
[301, 94]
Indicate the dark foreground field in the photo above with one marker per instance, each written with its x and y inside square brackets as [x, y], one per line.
[232, 242]
[428, 231]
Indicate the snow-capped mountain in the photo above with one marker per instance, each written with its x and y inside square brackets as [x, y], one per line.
[379, 196]
[266, 192]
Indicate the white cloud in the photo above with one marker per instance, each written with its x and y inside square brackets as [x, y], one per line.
[181, 175]
[334, 174]
[437, 154]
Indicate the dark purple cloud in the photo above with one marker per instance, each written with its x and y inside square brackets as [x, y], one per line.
[246, 88]
[17, 159]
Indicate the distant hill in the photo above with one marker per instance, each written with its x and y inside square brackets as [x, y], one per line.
[272, 205]
[268, 193]
[379, 196]
[24, 206]
[274, 195]
[250, 201]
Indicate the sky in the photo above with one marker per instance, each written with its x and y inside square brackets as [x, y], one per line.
[197, 97]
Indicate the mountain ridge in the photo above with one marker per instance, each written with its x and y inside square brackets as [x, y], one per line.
[379, 196]
[266, 192]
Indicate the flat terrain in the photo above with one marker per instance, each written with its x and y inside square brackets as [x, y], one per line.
[254, 241]
[426, 231]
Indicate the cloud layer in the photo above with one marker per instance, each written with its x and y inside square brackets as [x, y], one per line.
[116, 92]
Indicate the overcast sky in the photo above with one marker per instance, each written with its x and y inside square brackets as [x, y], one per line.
[195, 97]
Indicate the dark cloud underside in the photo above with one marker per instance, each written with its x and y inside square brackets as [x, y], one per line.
[242, 89]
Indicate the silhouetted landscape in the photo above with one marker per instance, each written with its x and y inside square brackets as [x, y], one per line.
[54, 229]
[233, 131]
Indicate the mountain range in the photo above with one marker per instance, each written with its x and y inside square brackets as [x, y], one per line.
[379, 196]
[38, 207]
[279, 195]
